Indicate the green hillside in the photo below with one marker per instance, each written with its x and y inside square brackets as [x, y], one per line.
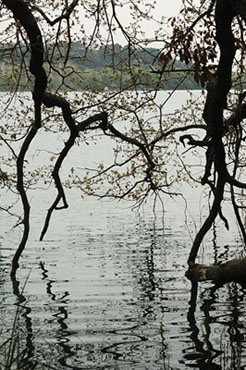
[114, 67]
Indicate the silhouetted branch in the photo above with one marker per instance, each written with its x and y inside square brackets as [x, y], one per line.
[65, 13]
[231, 271]
[216, 101]
[51, 101]
[21, 12]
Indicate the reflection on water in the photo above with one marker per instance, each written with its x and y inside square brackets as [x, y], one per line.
[223, 340]
[108, 291]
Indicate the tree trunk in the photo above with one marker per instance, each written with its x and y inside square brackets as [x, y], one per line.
[231, 271]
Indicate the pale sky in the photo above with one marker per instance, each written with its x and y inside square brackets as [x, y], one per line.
[163, 8]
[168, 8]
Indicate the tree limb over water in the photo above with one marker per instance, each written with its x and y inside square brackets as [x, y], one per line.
[231, 271]
[204, 38]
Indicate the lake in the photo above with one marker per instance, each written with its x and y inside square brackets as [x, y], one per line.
[106, 288]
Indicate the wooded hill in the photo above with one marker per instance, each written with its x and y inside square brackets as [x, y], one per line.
[113, 67]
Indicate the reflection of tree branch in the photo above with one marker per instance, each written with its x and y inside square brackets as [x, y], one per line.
[235, 329]
[61, 315]
[206, 356]
[25, 312]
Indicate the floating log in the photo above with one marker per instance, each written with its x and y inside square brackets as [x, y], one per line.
[231, 271]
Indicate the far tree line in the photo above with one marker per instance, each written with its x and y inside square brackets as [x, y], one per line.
[119, 67]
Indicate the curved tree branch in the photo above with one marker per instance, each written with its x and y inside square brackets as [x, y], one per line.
[56, 101]
[216, 102]
[65, 13]
[132, 141]
[209, 221]
[21, 12]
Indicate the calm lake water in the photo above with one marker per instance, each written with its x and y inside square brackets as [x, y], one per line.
[106, 288]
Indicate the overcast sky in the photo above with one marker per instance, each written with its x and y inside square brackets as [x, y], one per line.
[163, 8]
[168, 7]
